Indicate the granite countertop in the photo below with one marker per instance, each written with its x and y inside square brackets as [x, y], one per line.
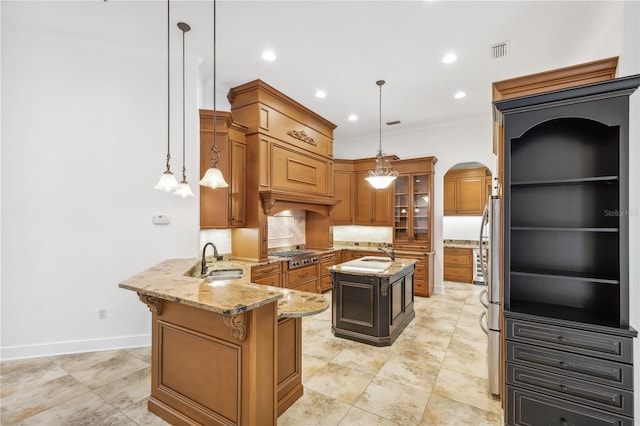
[372, 247]
[174, 280]
[470, 244]
[363, 267]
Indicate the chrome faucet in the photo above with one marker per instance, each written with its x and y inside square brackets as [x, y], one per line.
[203, 267]
[391, 254]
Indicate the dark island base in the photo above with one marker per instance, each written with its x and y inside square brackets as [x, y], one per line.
[374, 340]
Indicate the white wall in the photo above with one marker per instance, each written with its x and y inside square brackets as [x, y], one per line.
[83, 143]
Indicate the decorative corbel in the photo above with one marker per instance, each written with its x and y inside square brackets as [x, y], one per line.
[154, 303]
[237, 324]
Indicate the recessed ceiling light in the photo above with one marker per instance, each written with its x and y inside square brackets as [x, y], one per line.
[269, 55]
[459, 95]
[449, 58]
[353, 117]
[321, 94]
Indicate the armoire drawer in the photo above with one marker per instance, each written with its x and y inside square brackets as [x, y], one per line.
[590, 343]
[531, 408]
[576, 390]
[582, 367]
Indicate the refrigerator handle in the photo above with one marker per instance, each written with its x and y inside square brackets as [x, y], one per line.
[482, 293]
[483, 326]
[485, 218]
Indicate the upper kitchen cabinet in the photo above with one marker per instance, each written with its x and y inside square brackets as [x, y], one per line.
[372, 206]
[343, 190]
[223, 207]
[412, 210]
[466, 191]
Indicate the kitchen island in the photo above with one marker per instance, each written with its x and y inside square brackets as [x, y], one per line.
[372, 299]
[223, 352]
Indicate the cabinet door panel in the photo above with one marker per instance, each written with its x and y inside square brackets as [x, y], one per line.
[531, 408]
[449, 196]
[237, 186]
[363, 203]
[382, 206]
[343, 189]
[471, 195]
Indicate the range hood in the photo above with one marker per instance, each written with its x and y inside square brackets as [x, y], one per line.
[274, 201]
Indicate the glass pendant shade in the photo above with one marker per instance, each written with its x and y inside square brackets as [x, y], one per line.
[183, 190]
[381, 181]
[167, 182]
[213, 179]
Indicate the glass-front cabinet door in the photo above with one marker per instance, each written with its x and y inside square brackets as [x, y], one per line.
[411, 210]
[420, 197]
[402, 209]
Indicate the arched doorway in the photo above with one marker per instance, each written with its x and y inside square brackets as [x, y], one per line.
[467, 187]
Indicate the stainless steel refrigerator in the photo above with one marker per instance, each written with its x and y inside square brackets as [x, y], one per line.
[490, 244]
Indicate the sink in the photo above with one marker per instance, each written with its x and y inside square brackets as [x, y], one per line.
[375, 259]
[224, 274]
[371, 264]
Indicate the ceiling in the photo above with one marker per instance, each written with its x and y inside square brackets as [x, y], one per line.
[344, 47]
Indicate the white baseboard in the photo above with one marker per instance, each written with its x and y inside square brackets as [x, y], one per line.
[71, 347]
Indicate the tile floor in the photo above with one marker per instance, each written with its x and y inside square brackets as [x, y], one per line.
[434, 374]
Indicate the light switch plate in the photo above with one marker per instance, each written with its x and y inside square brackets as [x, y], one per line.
[161, 219]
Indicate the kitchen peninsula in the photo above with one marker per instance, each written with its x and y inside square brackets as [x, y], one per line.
[372, 299]
[215, 345]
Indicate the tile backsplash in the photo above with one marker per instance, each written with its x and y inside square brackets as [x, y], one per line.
[355, 233]
[287, 229]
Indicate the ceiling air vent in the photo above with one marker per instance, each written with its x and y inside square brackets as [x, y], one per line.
[500, 50]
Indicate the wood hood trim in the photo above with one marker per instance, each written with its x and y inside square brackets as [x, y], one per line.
[274, 201]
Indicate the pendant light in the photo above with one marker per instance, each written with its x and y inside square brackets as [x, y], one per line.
[168, 181]
[183, 190]
[382, 176]
[213, 177]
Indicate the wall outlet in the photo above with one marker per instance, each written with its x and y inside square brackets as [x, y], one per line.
[102, 314]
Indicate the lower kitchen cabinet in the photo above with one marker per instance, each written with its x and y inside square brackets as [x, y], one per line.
[423, 273]
[304, 278]
[458, 264]
[326, 260]
[269, 274]
[289, 362]
[567, 374]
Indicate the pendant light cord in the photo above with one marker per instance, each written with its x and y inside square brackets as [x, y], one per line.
[380, 83]
[184, 169]
[215, 153]
[168, 89]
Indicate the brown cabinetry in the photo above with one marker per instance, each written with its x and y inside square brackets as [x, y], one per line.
[223, 207]
[343, 191]
[326, 260]
[458, 264]
[465, 191]
[372, 206]
[289, 362]
[412, 211]
[361, 203]
[270, 274]
[423, 283]
[304, 278]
